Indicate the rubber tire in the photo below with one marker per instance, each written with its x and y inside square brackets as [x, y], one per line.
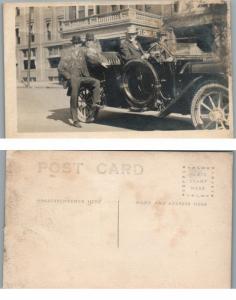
[132, 101]
[90, 119]
[197, 95]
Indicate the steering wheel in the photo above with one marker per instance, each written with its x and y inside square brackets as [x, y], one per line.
[162, 54]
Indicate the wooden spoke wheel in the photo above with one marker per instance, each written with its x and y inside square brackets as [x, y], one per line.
[210, 107]
[85, 111]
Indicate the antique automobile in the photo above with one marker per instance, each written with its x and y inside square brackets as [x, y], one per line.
[166, 82]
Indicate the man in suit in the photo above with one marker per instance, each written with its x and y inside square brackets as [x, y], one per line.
[73, 67]
[130, 48]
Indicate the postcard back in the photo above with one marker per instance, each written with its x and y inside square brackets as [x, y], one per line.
[118, 220]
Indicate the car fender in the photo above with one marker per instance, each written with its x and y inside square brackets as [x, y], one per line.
[184, 96]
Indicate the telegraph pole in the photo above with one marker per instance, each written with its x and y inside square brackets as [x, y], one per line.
[29, 47]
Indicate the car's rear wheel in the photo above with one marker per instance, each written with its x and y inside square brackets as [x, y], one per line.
[86, 113]
[210, 107]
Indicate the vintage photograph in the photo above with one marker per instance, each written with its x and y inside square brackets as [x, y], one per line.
[119, 70]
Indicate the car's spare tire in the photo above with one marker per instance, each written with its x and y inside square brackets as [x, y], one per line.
[140, 83]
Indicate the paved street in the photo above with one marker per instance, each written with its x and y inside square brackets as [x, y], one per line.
[47, 110]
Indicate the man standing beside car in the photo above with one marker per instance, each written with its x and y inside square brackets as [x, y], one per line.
[73, 67]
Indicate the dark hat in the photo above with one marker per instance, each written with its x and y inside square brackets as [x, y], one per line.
[76, 39]
[90, 36]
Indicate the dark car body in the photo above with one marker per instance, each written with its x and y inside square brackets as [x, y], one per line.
[166, 83]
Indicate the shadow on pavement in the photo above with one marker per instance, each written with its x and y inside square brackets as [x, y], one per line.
[130, 121]
[62, 115]
[142, 122]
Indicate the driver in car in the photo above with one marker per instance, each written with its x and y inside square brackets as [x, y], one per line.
[130, 48]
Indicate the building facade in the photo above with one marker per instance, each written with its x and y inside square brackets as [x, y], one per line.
[45, 42]
[202, 22]
[51, 28]
[192, 14]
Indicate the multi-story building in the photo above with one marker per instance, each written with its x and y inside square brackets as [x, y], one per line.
[51, 28]
[45, 42]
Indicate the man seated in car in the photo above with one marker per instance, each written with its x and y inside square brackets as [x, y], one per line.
[163, 46]
[130, 48]
[94, 51]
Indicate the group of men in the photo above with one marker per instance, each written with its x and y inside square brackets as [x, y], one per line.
[73, 65]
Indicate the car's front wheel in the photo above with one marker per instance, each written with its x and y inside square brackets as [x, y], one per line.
[210, 107]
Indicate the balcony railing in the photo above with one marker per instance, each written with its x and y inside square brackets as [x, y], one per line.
[125, 15]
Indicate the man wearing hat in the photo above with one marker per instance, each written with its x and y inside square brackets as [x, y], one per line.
[94, 51]
[165, 45]
[73, 67]
[130, 48]
[91, 42]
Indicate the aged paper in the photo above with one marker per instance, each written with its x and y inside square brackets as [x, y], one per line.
[178, 85]
[118, 220]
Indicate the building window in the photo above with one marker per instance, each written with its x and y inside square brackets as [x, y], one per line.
[54, 62]
[54, 51]
[32, 64]
[48, 30]
[176, 7]
[114, 8]
[140, 7]
[17, 11]
[148, 8]
[53, 78]
[32, 79]
[123, 6]
[81, 12]
[72, 12]
[32, 53]
[17, 36]
[90, 12]
[98, 9]
[32, 12]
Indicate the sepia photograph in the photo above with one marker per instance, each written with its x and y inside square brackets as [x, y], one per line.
[114, 69]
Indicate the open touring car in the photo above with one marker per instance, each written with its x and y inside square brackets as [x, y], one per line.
[195, 85]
